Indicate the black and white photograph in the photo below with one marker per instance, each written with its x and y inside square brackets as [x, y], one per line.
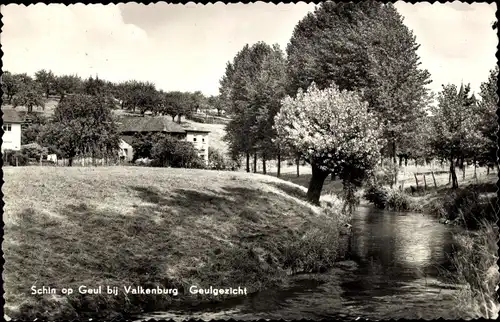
[176, 161]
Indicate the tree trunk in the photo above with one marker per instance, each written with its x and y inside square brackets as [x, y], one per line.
[406, 161]
[173, 118]
[279, 165]
[70, 161]
[264, 164]
[255, 162]
[394, 151]
[248, 161]
[297, 161]
[454, 179]
[475, 173]
[316, 184]
[179, 118]
[434, 179]
[400, 160]
[333, 177]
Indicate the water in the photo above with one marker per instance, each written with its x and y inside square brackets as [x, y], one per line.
[395, 270]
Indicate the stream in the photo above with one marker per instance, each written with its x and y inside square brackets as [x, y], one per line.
[395, 269]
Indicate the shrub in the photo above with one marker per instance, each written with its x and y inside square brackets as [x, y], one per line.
[216, 160]
[34, 150]
[391, 199]
[169, 151]
[385, 175]
[10, 156]
[467, 207]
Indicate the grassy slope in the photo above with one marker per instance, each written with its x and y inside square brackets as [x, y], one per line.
[66, 227]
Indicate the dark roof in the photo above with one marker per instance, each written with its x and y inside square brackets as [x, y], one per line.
[148, 124]
[153, 124]
[11, 116]
[127, 138]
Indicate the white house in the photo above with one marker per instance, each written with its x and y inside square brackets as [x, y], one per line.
[11, 138]
[200, 140]
[126, 152]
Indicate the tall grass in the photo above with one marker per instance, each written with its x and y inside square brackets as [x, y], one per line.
[476, 268]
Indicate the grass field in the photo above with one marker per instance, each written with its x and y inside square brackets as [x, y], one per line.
[116, 226]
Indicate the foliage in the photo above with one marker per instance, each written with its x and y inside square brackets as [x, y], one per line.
[385, 175]
[68, 84]
[10, 156]
[29, 93]
[468, 206]
[46, 79]
[142, 145]
[362, 46]
[216, 159]
[488, 124]
[387, 198]
[455, 124]
[11, 84]
[168, 151]
[34, 150]
[217, 103]
[81, 125]
[251, 90]
[333, 131]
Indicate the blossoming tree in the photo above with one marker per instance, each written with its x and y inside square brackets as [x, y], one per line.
[334, 132]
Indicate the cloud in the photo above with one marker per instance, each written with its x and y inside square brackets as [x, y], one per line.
[81, 39]
[186, 47]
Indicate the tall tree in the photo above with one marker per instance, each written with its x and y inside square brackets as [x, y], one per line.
[334, 132]
[82, 125]
[11, 84]
[488, 119]
[456, 130]
[46, 79]
[29, 93]
[68, 84]
[238, 91]
[362, 46]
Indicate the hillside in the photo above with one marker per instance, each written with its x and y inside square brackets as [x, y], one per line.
[66, 227]
[217, 131]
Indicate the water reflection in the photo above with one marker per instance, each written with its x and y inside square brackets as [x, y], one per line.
[400, 260]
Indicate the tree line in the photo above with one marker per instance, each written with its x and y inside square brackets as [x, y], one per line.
[136, 96]
[349, 92]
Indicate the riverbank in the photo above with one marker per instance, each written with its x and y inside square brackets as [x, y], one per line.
[474, 207]
[155, 228]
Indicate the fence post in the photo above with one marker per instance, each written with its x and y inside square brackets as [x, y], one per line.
[425, 183]
[434, 179]
[416, 180]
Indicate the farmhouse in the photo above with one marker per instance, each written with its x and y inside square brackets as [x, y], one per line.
[11, 138]
[130, 126]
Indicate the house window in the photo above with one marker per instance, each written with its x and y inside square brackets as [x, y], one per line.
[194, 139]
[126, 151]
[7, 127]
[203, 140]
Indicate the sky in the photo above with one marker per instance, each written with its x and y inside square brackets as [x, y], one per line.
[187, 47]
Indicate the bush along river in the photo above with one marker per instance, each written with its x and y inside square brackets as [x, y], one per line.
[396, 268]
